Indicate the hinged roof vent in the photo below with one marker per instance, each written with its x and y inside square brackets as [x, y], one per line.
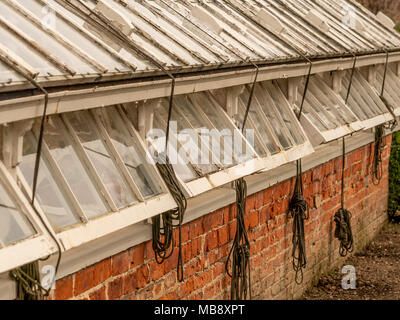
[117, 19]
[317, 20]
[385, 20]
[206, 19]
[270, 22]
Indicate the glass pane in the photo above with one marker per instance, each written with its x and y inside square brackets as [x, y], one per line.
[392, 87]
[363, 100]
[189, 108]
[114, 182]
[59, 143]
[240, 152]
[266, 102]
[13, 225]
[310, 113]
[355, 103]
[182, 170]
[334, 101]
[259, 126]
[195, 140]
[51, 199]
[126, 148]
[328, 106]
[279, 99]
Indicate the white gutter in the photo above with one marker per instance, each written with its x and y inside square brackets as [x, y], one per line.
[98, 96]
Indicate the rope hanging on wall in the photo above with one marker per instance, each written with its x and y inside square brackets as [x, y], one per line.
[342, 217]
[163, 225]
[377, 165]
[240, 250]
[299, 209]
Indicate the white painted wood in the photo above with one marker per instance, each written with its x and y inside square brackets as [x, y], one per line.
[113, 222]
[385, 20]
[293, 89]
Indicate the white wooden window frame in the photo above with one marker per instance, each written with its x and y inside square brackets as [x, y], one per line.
[91, 229]
[379, 116]
[343, 128]
[392, 87]
[37, 246]
[211, 181]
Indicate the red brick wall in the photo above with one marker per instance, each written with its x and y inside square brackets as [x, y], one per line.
[134, 274]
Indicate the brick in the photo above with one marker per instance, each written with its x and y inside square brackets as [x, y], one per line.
[101, 271]
[218, 269]
[137, 255]
[172, 261]
[120, 263]
[64, 289]
[259, 200]
[142, 276]
[84, 280]
[209, 291]
[211, 240]
[251, 220]
[223, 235]
[217, 218]
[99, 294]
[129, 283]
[196, 228]
[232, 230]
[115, 288]
[227, 214]
[156, 270]
[202, 279]
[263, 215]
[207, 222]
[196, 247]
[193, 267]
[250, 202]
[268, 196]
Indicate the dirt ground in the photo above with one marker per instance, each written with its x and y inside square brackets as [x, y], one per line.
[377, 272]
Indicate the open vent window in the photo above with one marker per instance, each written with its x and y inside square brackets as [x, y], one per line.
[392, 87]
[22, 236]
[325, 117]
[95, 177]
[364, 100]
[208, 145]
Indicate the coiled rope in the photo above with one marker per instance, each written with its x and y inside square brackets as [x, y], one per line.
[299, 209]
[342, 217]
[377, 165]
[164, 224]
[240, 250]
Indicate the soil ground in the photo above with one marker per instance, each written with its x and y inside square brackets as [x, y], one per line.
[377, 272]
